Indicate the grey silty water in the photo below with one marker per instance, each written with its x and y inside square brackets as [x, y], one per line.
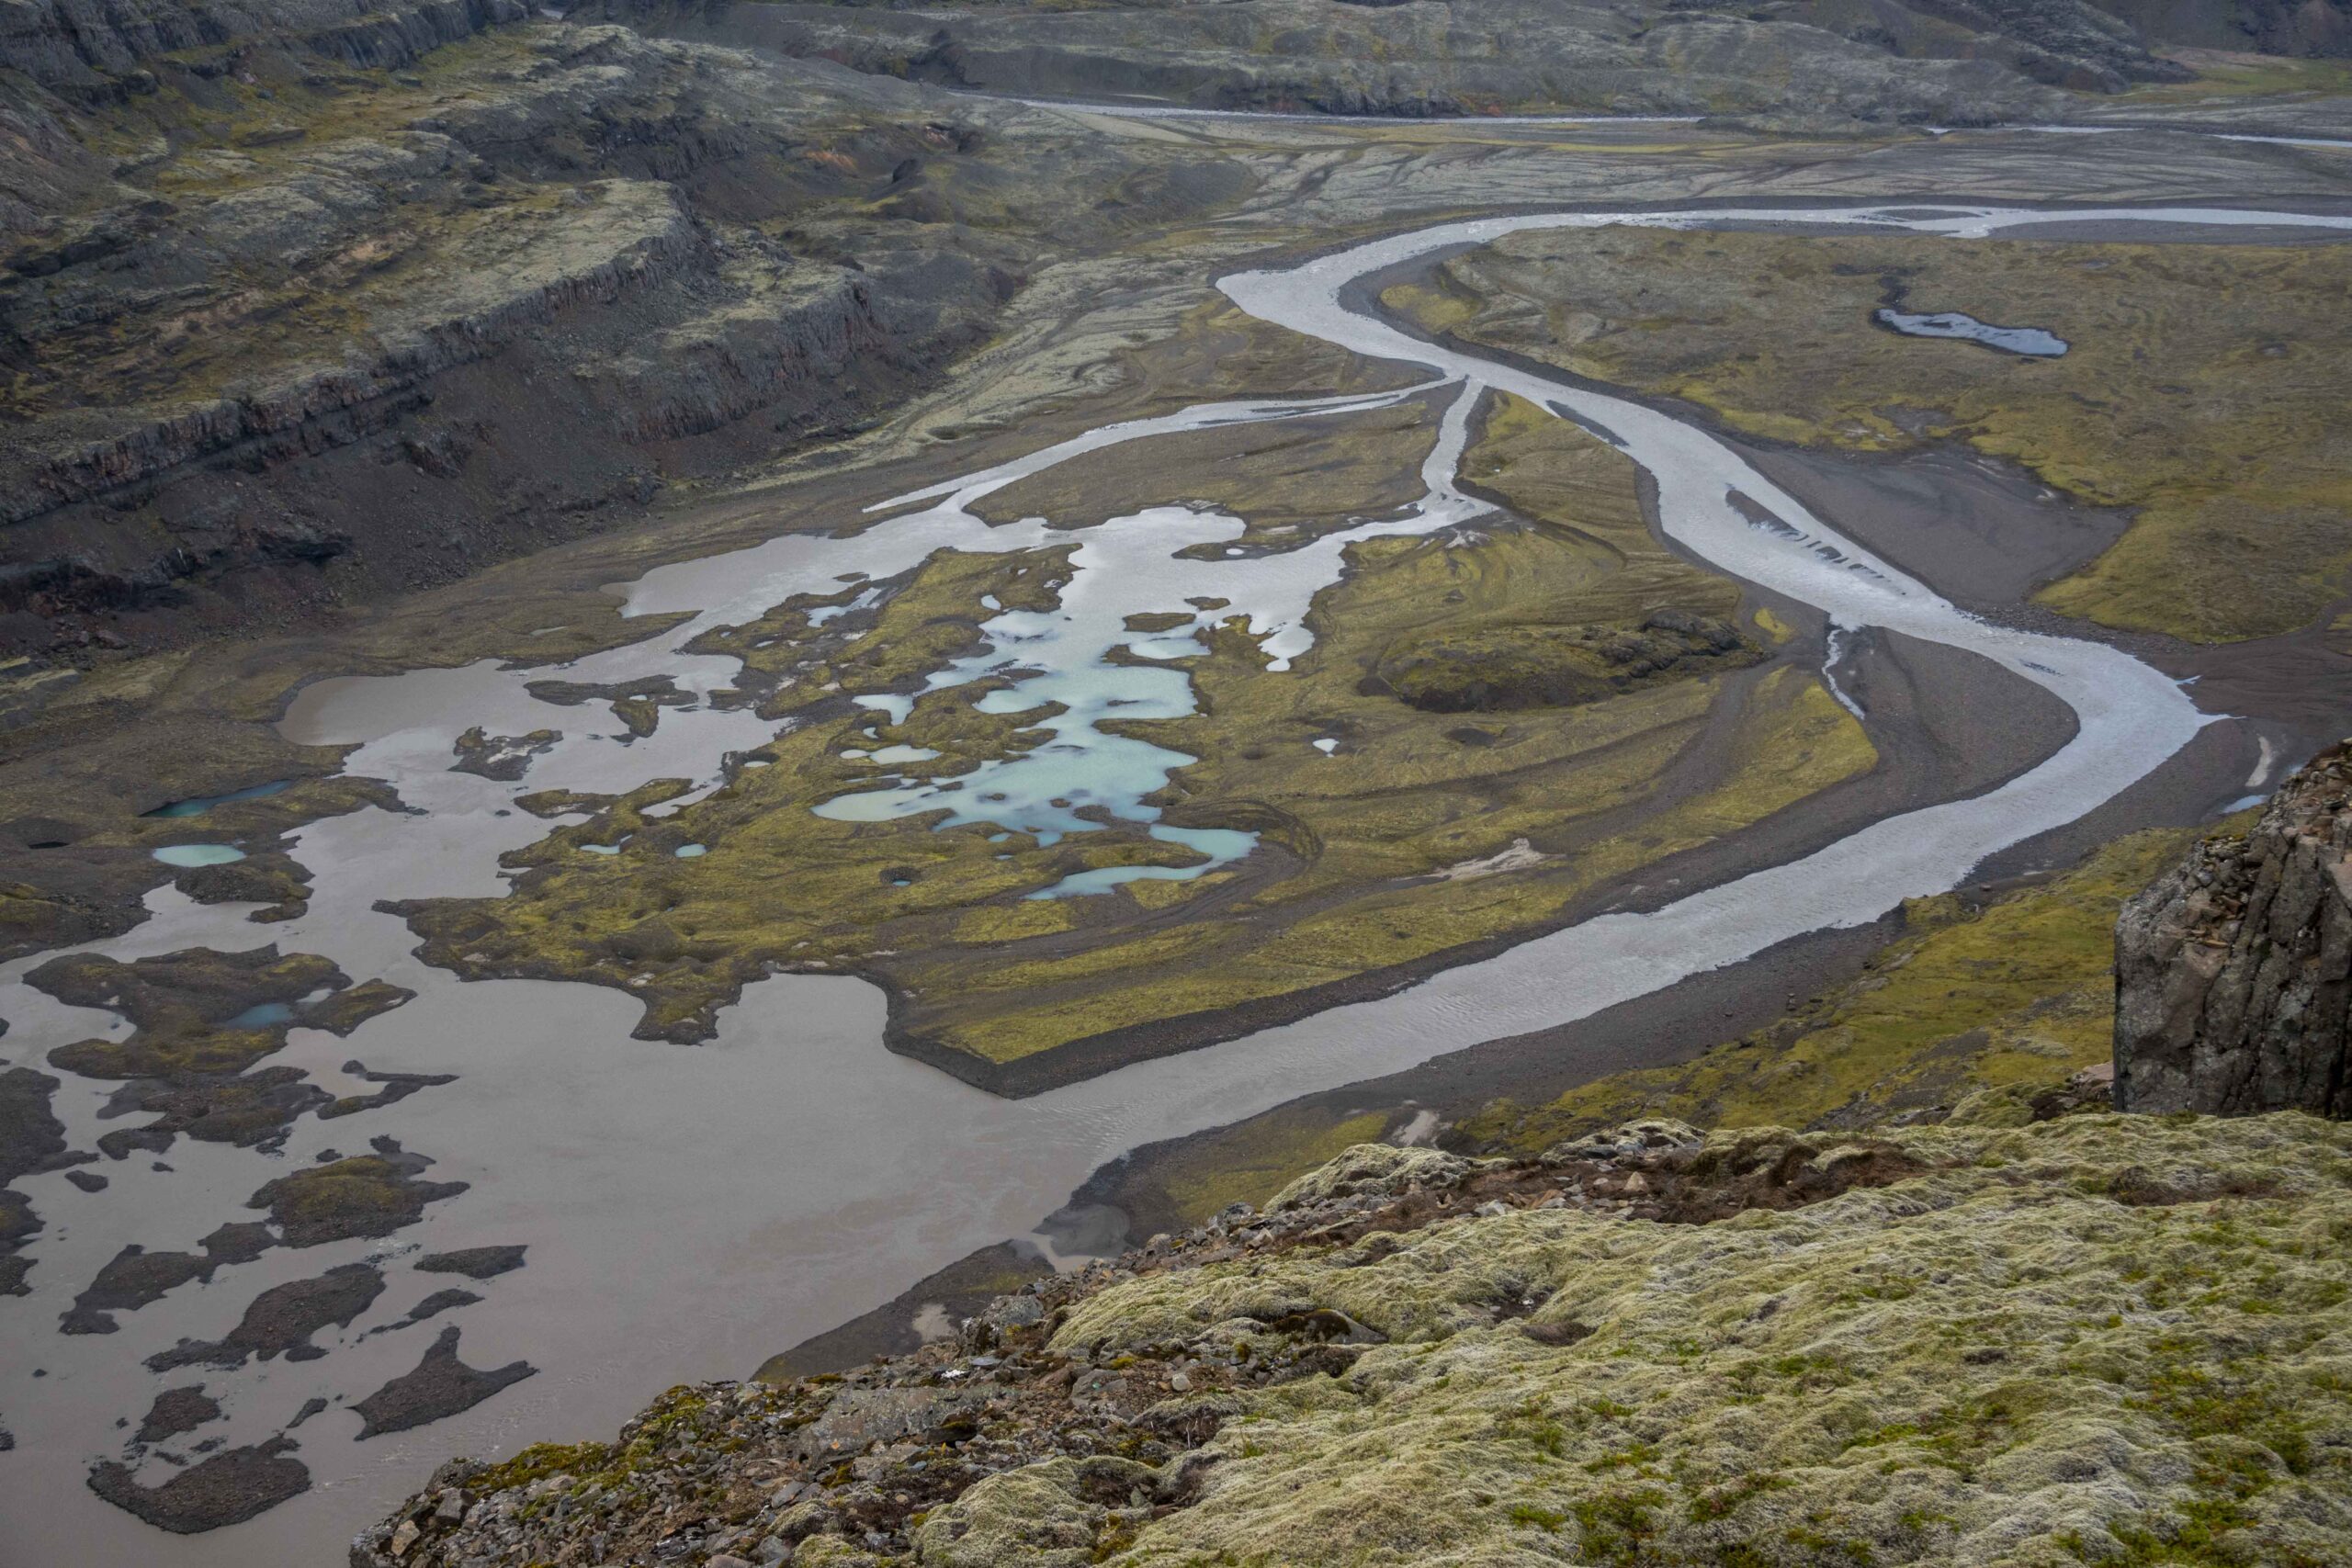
[2030, 341]
[688, 1212]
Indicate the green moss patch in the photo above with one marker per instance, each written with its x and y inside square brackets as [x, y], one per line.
[1992, 1361]
[1993, 1000]
[2201, 388]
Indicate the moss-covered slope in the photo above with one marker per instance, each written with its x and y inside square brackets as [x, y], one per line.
[2097, 1340]
[1998, 1000]
[2200, 385]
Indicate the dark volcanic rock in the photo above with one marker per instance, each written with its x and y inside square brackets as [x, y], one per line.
[238, 1242]
[131, 1279]
[366, 1195]
[134, 1276]
[204, 1018]
[505, 757]
[282, 1319]
[2233, 973]
[441, 1385]
[223, 1490]
[393, 1087]
[31, 1139]
[473, 1262]
[177, 1410]
[432, 1305]
[252, 1109]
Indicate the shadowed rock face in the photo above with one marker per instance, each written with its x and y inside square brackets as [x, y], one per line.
[2231, 971]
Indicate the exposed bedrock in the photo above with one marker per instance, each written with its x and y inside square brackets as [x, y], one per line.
[101, 45]
[2278, 26]
[327, 333]
[2231, 970]
[1961, 61]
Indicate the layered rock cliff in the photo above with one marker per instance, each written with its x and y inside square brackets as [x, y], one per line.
[284, 325]
[2234, 972]
[1957, 62]
[2091, 1339]
[104, 50]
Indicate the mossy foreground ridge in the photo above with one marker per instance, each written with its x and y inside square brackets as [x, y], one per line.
[2093, 1339]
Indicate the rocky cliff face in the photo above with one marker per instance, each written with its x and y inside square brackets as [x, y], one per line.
[2277, 26]
[279, 330]
[2234, 972]
[1955, 61]
[104, 48]
[1764, 1349]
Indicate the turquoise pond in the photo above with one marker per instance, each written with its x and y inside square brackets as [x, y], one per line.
[200, 854]
[1080, 774]
[198, 806]
[2032, 342]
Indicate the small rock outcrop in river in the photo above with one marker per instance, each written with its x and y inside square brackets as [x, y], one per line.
[2231, 971]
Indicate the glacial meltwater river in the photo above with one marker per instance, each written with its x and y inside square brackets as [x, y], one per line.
[690, 1211]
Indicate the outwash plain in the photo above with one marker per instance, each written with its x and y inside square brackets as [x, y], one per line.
[706, 691]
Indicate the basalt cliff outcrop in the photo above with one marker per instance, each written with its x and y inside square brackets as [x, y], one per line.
[2234, 972]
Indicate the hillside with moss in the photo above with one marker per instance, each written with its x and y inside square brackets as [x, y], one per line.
[1992, 1003]
[2091, 1339]
[2198, 387]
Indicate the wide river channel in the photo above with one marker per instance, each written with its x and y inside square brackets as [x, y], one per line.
[690, 1211]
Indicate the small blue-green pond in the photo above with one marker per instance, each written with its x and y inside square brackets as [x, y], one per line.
[2030, 341]
[1222, 845]
[198, 804]
[200, 854]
